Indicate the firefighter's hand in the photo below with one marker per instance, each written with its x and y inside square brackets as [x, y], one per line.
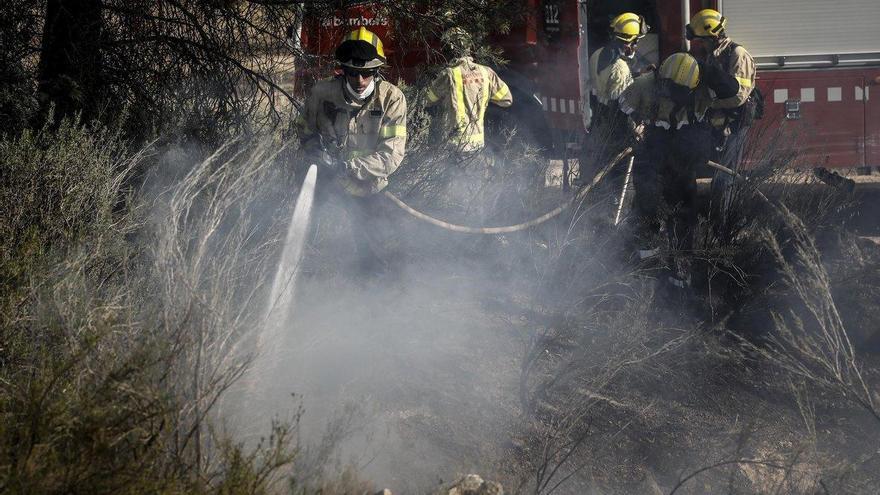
[648, 69]
[639, 133]
[723, 84]
[330, 163]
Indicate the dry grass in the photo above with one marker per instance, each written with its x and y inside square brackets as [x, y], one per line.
[129, 316]
[629, 387]
[127, 319]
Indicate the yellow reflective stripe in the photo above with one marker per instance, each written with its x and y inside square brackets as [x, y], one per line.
[501, 93]
[678, 67]
[364, 34]
[744, 82]
[432, 96]
[356, 154]
[389, 131]
[623, 23]
[485, 97]
[458, 89]
[625, 107]
[710, 16]
[477, 137]
[692, 78]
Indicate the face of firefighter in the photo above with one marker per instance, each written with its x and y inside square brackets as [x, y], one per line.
[359, 79]
[629, 49]
[705, 45]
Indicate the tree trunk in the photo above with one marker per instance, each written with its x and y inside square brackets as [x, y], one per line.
[70, 61]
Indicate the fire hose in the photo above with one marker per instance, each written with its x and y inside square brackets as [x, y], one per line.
[550, 214]
[718, 166]
[520, 226]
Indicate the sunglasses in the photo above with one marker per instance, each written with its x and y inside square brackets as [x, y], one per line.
[364, 73]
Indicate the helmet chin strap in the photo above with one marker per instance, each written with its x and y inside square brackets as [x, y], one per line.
[363, 95]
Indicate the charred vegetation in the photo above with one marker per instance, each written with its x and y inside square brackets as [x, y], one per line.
[146, 184]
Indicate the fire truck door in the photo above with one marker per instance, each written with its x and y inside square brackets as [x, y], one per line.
[871, 95]
[821, 113]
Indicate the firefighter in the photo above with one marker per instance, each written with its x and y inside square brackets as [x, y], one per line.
[465, 89]
[459, 96]
[667, 110]
[354, 127]
[611, 75]
[730, 72]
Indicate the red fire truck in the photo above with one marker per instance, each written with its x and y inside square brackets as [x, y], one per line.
[817, 63]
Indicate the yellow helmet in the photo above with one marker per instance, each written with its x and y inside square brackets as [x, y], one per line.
[628, 27]
[706, 23]
[361, 49]
[682, 69]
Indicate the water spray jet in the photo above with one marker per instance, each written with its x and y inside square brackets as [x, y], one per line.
[281, 299]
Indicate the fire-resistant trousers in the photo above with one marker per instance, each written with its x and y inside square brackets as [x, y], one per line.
[664, 178]
[731, 156]
[369, 219]
[609, 135]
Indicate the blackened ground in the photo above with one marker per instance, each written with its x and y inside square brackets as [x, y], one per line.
[642, 384]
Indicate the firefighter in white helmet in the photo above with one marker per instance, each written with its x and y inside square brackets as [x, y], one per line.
[671, 104]
[354, 126]
[610, 74]
[463, 91]
[730, 72]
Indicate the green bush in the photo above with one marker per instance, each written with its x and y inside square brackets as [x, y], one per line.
[80, 413]
[57, 187]
[125, 319]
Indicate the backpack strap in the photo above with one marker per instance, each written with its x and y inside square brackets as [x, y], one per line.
[726, 55]
[609, 54]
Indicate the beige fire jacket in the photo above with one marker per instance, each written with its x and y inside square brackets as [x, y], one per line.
[740, 65]
[643, 102]
[467, 88]
[612, 80]
[370, 138]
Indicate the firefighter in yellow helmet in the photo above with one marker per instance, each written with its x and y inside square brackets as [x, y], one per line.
[730, 73]
[354, 127]
[671, 105]
[609, 71]
[610, 75]
[463, 91]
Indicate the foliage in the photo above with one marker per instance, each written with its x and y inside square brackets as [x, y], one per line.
[203, 70]
[631, 385]
[17, 87]
[123, 326]
[56, 189]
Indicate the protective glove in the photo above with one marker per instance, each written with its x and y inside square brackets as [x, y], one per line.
[723, 84]
[328, 162]
[639, 133]
[648, 69]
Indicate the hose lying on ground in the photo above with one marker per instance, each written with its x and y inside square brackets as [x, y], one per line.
[520, 226]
